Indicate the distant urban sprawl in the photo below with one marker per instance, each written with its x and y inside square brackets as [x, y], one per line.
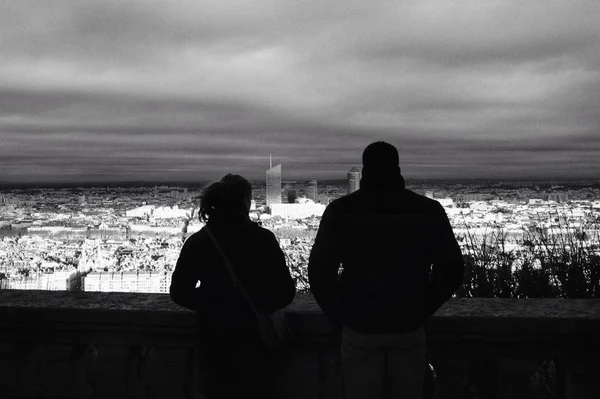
[127, 239]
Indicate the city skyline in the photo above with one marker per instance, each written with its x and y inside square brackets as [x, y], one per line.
[145, 91]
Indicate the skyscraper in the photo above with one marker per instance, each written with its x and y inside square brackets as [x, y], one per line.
[274, 185]
[311, 190]
[353, 180]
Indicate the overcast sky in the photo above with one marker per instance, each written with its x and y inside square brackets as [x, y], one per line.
[184, 90]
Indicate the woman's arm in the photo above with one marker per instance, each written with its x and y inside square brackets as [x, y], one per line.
[282, 287]
[183, 283]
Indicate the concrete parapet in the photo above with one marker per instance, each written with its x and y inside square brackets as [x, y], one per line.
[110, 345]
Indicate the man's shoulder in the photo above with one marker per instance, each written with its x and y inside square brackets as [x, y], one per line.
[420, 201]
[349, 204]
[409, 199]
[347, 201]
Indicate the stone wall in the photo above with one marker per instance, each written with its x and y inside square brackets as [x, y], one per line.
[121, 345]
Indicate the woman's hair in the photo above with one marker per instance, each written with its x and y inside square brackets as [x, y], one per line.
[231, 192]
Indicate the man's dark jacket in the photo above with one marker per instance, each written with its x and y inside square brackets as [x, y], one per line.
[388, 241]
[259, 264]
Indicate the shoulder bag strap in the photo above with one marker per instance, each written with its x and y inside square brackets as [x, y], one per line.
[236, 281]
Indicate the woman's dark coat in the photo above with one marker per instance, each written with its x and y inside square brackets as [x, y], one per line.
[257, 260]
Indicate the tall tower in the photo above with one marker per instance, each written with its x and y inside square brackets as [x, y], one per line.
[353, 180]
[98, 254]
[274, 185]
[311, 190]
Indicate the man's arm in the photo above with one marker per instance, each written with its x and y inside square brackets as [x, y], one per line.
[448, 265]
[183, 283]
[323, 267]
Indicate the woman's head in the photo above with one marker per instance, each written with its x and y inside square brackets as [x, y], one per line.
[232, 192]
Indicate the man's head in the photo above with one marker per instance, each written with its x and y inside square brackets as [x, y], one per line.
[380, 159]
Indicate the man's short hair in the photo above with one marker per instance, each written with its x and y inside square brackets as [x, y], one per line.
[380, 156]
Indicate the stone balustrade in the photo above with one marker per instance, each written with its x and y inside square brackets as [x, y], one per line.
[117, 345]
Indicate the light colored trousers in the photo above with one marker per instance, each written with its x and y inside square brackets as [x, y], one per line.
[377, 366]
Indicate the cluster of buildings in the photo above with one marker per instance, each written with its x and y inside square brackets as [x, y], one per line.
[65, 280]
[309, 205]
[129, 239]
[128, 281]
[141, 265]
[126, 239]
[476, 221]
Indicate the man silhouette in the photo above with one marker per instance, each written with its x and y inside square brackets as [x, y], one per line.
[400, 263]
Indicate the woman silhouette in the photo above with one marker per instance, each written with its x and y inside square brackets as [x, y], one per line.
[232, 358]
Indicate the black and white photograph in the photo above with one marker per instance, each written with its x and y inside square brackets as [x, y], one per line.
[299, 199]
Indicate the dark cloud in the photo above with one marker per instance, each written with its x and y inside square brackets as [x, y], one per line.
[138, 90]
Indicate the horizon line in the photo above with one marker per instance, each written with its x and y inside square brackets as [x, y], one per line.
[172, 183]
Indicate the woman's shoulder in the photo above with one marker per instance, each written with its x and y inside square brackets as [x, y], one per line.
[195, 238]
[260, 232]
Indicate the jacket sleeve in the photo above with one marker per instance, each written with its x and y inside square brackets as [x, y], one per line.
[448, 265]
[323, 266]
[183, 283]
[281, 285]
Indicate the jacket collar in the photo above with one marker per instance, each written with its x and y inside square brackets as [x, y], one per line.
[382, 183]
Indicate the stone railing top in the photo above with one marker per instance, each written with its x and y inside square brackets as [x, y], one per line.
[143, 316]
[538, 308]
